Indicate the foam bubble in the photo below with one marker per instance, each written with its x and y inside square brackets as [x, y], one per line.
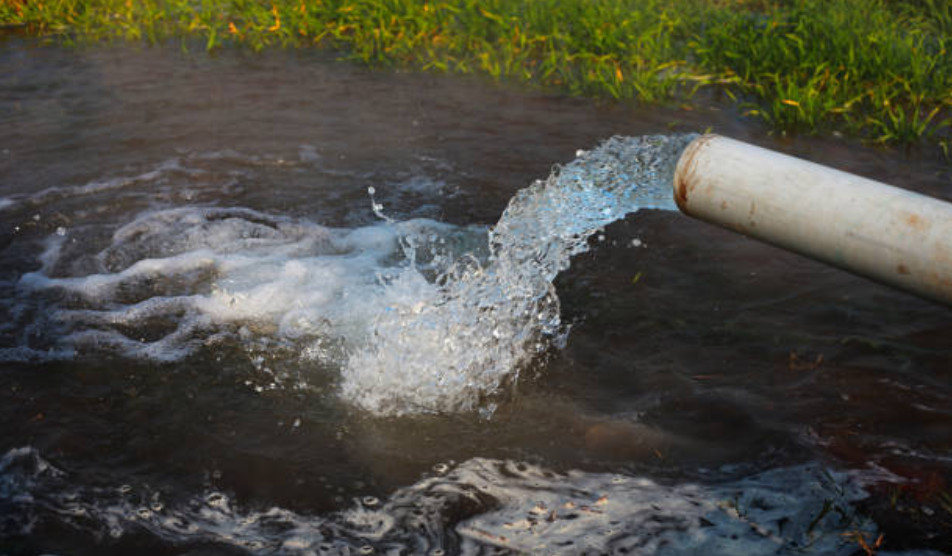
[201, 271]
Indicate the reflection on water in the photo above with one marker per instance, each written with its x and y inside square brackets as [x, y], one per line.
[190, 258]
[483, 504]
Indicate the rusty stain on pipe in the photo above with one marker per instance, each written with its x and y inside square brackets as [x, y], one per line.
[876, 230]
[684, 174]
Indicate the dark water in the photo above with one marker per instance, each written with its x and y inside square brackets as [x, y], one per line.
[715, 395]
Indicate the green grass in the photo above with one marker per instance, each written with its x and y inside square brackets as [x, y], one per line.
[877, 69]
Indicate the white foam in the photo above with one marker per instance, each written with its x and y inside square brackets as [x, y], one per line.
[202, 270]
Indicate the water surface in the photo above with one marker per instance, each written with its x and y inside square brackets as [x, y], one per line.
[190, 255]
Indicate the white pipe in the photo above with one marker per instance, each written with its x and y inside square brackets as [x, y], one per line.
[889, 234]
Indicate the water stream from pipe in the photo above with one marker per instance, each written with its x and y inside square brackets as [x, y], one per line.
[418, 316]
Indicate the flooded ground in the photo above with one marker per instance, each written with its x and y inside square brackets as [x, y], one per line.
[713, 394]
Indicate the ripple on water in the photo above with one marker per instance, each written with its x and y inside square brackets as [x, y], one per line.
[482, 504]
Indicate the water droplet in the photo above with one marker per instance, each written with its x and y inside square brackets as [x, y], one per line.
[61, 231]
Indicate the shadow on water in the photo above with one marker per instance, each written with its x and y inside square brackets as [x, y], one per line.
[695, 356]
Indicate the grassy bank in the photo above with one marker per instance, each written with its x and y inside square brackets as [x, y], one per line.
[877, 69]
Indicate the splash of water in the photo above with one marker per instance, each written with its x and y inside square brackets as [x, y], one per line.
[418, 316]
[458, 345]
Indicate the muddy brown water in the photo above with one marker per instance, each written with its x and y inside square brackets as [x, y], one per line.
[695, 355]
